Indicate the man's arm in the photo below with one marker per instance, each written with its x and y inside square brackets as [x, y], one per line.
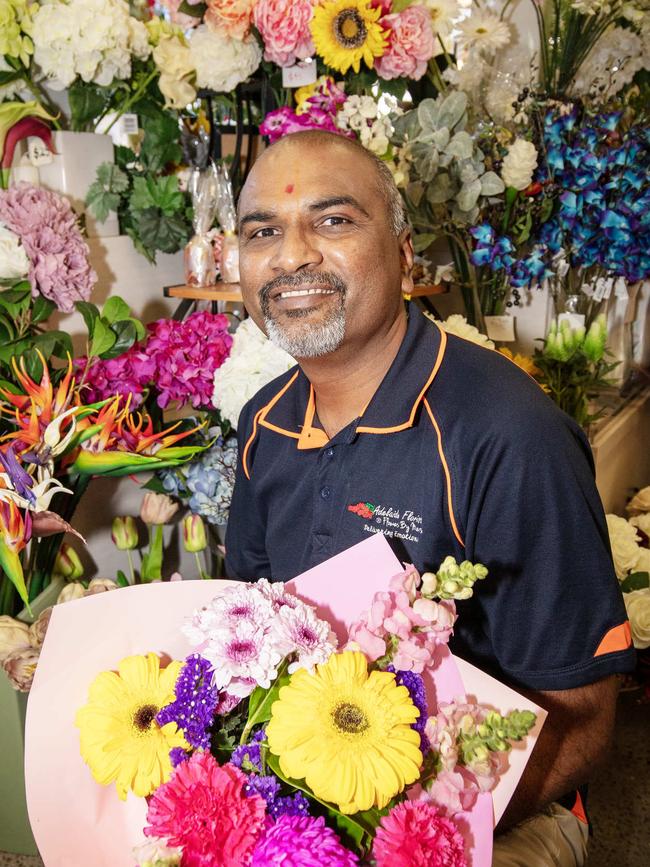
[574, 739]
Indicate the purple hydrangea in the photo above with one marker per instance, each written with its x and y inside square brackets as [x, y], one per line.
[196, 699]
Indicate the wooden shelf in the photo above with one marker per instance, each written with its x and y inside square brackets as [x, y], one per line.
[232, 292]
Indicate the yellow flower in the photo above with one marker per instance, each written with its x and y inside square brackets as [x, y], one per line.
[121, 741]
[347, 733]
[524, 361]
[345, 32]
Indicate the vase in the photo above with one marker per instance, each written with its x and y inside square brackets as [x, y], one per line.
[73, 169]
[15, 831]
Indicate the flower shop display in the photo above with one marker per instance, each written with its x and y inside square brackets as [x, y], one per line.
[272, 718]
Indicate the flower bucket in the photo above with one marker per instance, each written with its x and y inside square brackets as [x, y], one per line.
[72, 171]
[15, 831]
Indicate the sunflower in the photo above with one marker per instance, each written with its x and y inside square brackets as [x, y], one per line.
[347, 733]
[121, 741]
[345, 32]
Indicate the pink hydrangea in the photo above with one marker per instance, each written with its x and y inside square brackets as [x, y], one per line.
[204, 809]
[49, 231]
[128, 375]
[301, 841]
[415, 834]
[284, 27]
[186, 355]
[410, 46]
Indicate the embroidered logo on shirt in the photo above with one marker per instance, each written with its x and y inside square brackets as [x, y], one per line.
[402, 524]
[363, 510]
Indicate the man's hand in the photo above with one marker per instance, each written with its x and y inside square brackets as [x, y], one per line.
[574, 739]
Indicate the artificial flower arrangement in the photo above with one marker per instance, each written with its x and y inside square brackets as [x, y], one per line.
[277, 741]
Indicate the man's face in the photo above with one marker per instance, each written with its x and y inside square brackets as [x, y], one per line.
[319, 263]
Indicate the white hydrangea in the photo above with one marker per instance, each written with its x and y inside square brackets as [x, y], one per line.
[519, 164]
[612, 64]
[222, 63]
[253, 362]
[91, 39]
[624, 541]
[14, 262]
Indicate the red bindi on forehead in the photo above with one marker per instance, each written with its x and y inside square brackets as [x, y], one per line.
[289, 188]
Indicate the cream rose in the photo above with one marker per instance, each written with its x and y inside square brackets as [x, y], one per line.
[173, 59]
[640, 502]
[519, 164]
[625, 551]
[642, 522]
[14, 635]
[637, 604]
[458, 325]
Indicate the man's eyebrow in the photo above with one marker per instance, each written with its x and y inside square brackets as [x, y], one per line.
[257, 217]
[334, 201]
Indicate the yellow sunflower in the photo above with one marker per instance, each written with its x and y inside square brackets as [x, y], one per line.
[345, 32]
[347, 733]
[121, 741]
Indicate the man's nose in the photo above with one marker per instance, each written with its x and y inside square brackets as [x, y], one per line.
[297, 249]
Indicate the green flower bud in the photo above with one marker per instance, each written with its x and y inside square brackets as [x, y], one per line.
[124, 533]
[68, 564]
[194, 538]
[594, 343]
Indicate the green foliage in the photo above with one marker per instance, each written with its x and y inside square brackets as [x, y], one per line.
[111, 331]
[87, 103]
[636, 581]
[104, 194]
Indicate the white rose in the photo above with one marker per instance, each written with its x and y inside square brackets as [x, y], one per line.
[14, 635]
[519, 164]
[14, 263]
[625, 551]
[642, 522]
[222, 63]
[643, 560]
[640, 502]
[173, 59]
[637, 604]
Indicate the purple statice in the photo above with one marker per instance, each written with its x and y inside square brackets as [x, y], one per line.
[248, 756]
[177, 755]
[415, 685]
[267, 786]
[196, 699]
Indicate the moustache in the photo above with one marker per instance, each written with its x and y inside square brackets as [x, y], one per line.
[301, 281]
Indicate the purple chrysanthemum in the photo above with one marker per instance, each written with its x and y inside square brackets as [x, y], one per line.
[415, 685]
[196, 699]
[302, 841]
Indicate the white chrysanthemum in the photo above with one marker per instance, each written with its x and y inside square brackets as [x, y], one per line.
[299, 631]
[484, 30]
[458, 325]
[519, 164]
[253, 362]
[624, 541]
[642, 522]
[14, 262]
[637, 604]
[443, 14]
[92, 39]
[156, 853]
[222, 63]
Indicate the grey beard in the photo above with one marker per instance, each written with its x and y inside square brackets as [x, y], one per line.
[308, 341]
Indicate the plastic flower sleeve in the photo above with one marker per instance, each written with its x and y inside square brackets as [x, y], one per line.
[200, 269]
[228, 220]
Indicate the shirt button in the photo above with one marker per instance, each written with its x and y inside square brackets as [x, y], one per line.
[329, 453]
[326, 492]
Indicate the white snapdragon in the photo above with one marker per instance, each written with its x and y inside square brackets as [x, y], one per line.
[222, 63]
[519, 164]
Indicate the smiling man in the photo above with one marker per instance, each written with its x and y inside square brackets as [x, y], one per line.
[390, 425]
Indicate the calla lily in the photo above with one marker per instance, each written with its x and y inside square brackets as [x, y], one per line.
[11, 114]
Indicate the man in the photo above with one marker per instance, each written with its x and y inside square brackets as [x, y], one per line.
[390, 425]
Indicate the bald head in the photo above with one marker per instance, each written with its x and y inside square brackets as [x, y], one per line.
[314, 144]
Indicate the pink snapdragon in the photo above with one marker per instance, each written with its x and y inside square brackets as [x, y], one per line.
[284, 28]
[411, 44]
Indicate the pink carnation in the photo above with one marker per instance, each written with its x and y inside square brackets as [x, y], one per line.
[48, 228]
[203, 808]
[410, 46]
[232, 17]
[186, 355]
[415, 834]
[284, 27]
[301, 841]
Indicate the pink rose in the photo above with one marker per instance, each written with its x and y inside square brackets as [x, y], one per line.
[411, 44]
[284, 27]
[232, 17]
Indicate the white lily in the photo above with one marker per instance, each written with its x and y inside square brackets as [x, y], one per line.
[43, 492]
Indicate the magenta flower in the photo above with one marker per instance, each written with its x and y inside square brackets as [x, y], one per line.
[414, 833]
[301, 841]
[127, 375]
[48, 228]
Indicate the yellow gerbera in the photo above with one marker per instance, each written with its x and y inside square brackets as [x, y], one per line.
[121, 741]
[347, 733]
[345, 32]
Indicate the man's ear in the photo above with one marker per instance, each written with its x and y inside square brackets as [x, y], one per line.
[406, 260]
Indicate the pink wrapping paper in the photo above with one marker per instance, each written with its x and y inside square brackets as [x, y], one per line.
[75, 821]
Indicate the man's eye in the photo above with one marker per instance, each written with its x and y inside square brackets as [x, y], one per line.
[334, 221]
[266, 232]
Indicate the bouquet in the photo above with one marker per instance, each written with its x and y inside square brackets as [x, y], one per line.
[290, 729]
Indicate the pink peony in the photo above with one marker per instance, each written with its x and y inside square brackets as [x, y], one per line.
[48, 228]
[186, 355]
[301, 841]
[284, 27]
[232, 17]
[411, 44]
[415, 834]
[203, 808]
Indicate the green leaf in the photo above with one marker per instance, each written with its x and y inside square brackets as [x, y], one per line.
[103, 338]
[56, 343]
[491, 184]
[124, 156]
[160, 232]
[104, 195]
[10, 75]
[87, 103]
[160, 144]
[125, 337]
[421, 242]
[7, 325]
[452, 109]
[160, 193]
[636, 581]
[90, 314]
[43, 308]
[461, 146]
[116, 309]
[195, 10]
[15, 301]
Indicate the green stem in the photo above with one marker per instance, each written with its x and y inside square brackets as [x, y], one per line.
[126, 105]
[131, 569]
[260, 712]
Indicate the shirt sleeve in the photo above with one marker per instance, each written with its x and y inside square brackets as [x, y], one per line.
[550, 614]
[246, 556]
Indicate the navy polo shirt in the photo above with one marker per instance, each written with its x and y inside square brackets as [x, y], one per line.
[459, 452]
